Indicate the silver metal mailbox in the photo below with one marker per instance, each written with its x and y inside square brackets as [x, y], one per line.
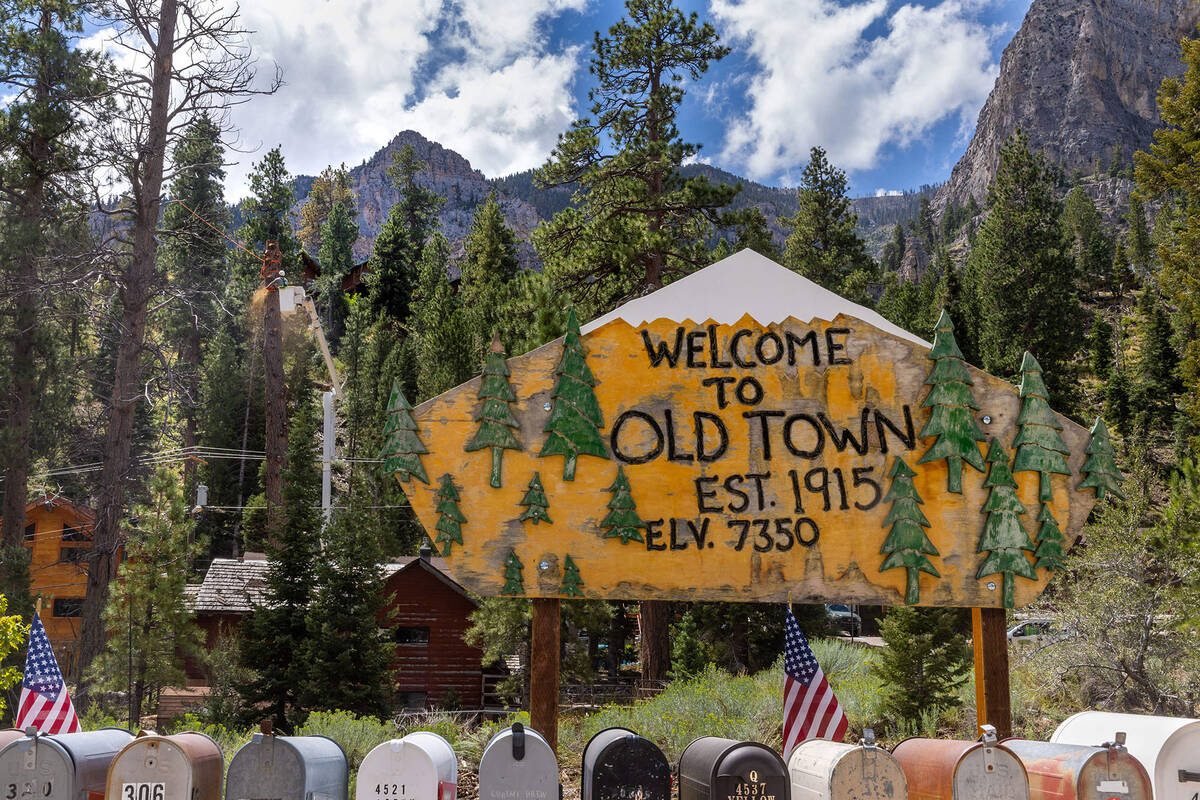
[1168, 747]
[65, 766]
[1077, 772]
[270, 767]
[825, 770]
[518, 764]
[944, 769]
[419, 766]
[620, 765]
[182, 766]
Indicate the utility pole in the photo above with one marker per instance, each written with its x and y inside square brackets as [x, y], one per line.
[276, 391]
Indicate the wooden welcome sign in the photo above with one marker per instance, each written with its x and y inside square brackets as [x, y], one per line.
[791, 445]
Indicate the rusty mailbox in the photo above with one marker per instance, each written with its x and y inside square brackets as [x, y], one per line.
[10, 735]
[270, 767]
[946, 769]
[182, 766]
[1168, 747]
[825, 770]
[712, 768]
[518, 764]
[65, 766]
[419, 766]
[620, 765]
[1077, 772]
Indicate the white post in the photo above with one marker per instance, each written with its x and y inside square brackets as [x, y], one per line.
[327, 456]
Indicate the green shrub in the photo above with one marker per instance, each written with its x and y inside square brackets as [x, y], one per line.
[925, 663]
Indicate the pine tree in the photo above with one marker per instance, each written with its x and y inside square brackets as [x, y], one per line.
[1091, 247]
[513, 583]
[1101, 469]
[537, 505]
[824, 245]
[336, 257]
[950, 402]
[1004, 539]
[443, 349]
[1049, 554]
[1040, 446]
[573, 428]
[893, 251]
[495, 417]
[924, 663]
[622, 520]
[906, 544]
[329, 188]
[402, 447]
[266, 217]
[1158, 382]
[450, 519]
[1100, 347]
[571, 580]
[488, 268]
[1141, 250]
[1117, 399]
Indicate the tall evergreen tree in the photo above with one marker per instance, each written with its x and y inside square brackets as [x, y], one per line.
[924, 663]
[332, 186]
[336, 256]
[266, 218]
[1157, 361]
[1090, 244]
[488, 269]
[824, 245]
[443, 349]
[1141, 251]
[1004, 538]
[624, 162]
[1021, 276]
[399, 247]
[893, 251]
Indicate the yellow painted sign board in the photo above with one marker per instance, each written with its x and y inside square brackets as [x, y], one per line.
[742, 461]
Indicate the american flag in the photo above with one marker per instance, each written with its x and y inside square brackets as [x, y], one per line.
[810, 710]
[45, 703]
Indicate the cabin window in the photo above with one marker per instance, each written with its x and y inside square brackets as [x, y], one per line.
[31, 531]
[72, 555]
[415, 701]
[68, 607]
[73, 534]
[411, 636]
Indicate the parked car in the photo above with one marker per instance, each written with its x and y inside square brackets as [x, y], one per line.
[843, 618]
[1037, 629]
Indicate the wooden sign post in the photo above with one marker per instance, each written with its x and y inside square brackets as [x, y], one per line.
[789, 445]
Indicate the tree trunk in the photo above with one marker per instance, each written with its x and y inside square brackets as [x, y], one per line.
[655, 648]
[136, 290]
[276, 401]
[189, 353]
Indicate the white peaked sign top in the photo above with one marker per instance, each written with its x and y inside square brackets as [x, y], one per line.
[745, 283]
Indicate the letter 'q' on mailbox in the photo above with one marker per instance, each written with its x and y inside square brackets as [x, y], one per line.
[1168, 747]
[518, 764]
[1079, 772]
[419, 766]
[182, 766]
[65, 766]
[825, 770]
[946, 769]
[712, 768]
[620, 765]
[270, 767]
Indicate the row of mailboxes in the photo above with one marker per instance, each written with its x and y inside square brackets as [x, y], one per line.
[823, 770]
[62, 767]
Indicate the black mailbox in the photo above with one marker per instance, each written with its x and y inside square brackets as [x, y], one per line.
[712, 768]
[620, 765]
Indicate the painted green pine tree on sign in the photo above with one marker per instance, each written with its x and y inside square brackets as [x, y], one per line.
[495, 418]
[1101, 465]
[571, 580]
[513, 583]
[1049, 554]
[402, 447]
[1004, 538]
[450, 519]
[951, 405]
[1040, 447]
[575, 419]
[622, 520]
[906, 544]
[537, 505]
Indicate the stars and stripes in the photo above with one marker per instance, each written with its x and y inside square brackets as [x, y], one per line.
[810, 709]
[45, 703]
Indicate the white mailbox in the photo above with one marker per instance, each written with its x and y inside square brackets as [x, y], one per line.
[1168, 747]
[518, 764]
[65, 766]
[270, 767]
[420, 766]
[825, 770]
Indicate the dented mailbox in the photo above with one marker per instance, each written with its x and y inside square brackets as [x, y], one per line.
[182, 766]
[1077, 772]
[712, 768]
[620, 765]
[939, 769]
[65, 766]
[419, 766]
[1168, 747]
[518, 764]
[825, 770]
[270, 767]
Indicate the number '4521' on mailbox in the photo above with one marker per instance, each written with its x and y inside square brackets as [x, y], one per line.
[419, 766]
[65, 766]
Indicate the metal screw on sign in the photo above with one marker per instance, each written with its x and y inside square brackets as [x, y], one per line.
[987, 419]
[543, 565]
[546, 406]
[991, 585]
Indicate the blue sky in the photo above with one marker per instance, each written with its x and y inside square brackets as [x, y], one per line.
[890, 88]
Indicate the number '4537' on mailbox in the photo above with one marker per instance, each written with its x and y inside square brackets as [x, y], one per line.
[746, 435]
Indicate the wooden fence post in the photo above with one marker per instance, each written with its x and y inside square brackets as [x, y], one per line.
[993, 705]
[543, 670]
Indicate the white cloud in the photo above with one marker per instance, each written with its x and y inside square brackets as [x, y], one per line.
[824, 82]
[471, 76]
[888, 192]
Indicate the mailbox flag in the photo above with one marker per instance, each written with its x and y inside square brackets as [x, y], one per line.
[810, 709]
[45, 703]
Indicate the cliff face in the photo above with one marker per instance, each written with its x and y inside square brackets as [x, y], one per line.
[1080, 79]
